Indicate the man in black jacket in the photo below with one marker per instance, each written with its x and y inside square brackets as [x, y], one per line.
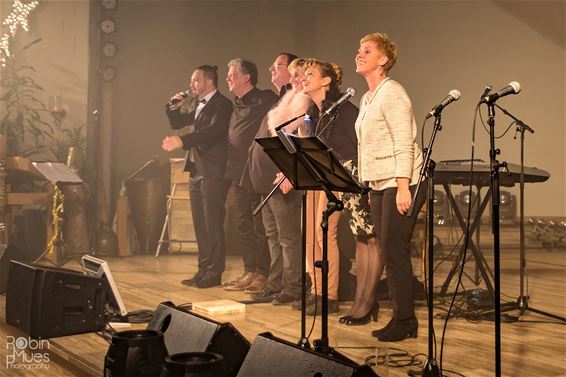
[208, 115]
[250, 107]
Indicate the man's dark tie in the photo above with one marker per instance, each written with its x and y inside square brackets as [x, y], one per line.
[203, 101]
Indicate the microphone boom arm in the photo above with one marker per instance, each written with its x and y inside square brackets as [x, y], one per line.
[517, 120]
[279, 127]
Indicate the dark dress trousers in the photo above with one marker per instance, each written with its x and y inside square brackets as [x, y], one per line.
[249, 111]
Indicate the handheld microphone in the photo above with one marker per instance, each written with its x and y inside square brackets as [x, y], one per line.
[350, 92]
[513, 88]
[174, 101]
[453, 95]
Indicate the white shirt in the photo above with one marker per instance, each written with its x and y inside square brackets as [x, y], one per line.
[201, 105]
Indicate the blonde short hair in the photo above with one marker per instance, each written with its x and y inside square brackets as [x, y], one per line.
[385, 45]
[297, 63]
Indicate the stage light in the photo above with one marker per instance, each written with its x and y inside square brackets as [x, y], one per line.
[135, 353]
[108, 73]
[551, 232]
[507, 208]
[108, 26]
[463, 200]
[109, 49]
[109, 4]
[442, 211]
[202, 364]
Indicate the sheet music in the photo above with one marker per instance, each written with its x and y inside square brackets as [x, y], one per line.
[56, 172]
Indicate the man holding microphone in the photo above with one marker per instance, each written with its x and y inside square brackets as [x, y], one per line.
[208, 112]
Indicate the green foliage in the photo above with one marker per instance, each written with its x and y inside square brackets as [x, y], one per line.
[23, 121]
[71, 137]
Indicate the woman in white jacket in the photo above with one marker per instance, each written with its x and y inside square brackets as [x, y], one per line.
[389, 160]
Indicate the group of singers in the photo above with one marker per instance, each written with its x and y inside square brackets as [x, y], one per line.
[375, 143]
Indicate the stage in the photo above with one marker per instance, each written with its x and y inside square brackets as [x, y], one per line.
[533, 346]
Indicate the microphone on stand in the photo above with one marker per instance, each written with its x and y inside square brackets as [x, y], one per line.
[453, 95]
[279, 127]
[513, 88]
[486, 91]
[350, 92]
[174, 101]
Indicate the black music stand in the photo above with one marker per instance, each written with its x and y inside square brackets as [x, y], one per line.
[310, 165]
[59, 175]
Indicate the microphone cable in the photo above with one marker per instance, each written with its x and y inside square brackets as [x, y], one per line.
[487, 130]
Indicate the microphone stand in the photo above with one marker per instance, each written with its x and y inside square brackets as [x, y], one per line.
[280, 127]
[289, 145]
[522, 303]
[430, 367]
[304, 341]
[495, 198]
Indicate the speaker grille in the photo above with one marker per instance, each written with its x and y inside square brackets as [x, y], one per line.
[190, 332]
[274, 357]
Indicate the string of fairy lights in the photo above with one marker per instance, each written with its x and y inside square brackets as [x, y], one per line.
[18, 17]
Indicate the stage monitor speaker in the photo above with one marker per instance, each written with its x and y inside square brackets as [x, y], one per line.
[29, 233]
[270, 356]
[48, 302]
[7, 253]
[186, 331]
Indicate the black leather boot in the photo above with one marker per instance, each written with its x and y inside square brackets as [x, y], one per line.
[397, 330]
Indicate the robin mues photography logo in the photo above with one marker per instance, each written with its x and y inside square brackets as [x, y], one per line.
[27, 353]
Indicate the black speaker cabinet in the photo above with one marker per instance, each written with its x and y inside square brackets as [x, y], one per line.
[47, 302]
[189, 332]
[270, 356]
[7, 253]
[28, 233]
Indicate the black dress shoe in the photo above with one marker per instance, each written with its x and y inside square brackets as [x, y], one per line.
[343, 319]
[209, 280]
[358, 321]
[283, 299]
[399, 330]
[267, 295]
[192, 281]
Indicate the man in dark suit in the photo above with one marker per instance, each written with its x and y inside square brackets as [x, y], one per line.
[207, 115]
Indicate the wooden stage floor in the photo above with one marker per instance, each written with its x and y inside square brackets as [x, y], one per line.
[533, 346]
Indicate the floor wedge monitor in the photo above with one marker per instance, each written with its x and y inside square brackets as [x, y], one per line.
[270, 356]
[187, 331]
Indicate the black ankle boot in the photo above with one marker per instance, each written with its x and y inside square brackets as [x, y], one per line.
[399, 330]
[377, 332]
